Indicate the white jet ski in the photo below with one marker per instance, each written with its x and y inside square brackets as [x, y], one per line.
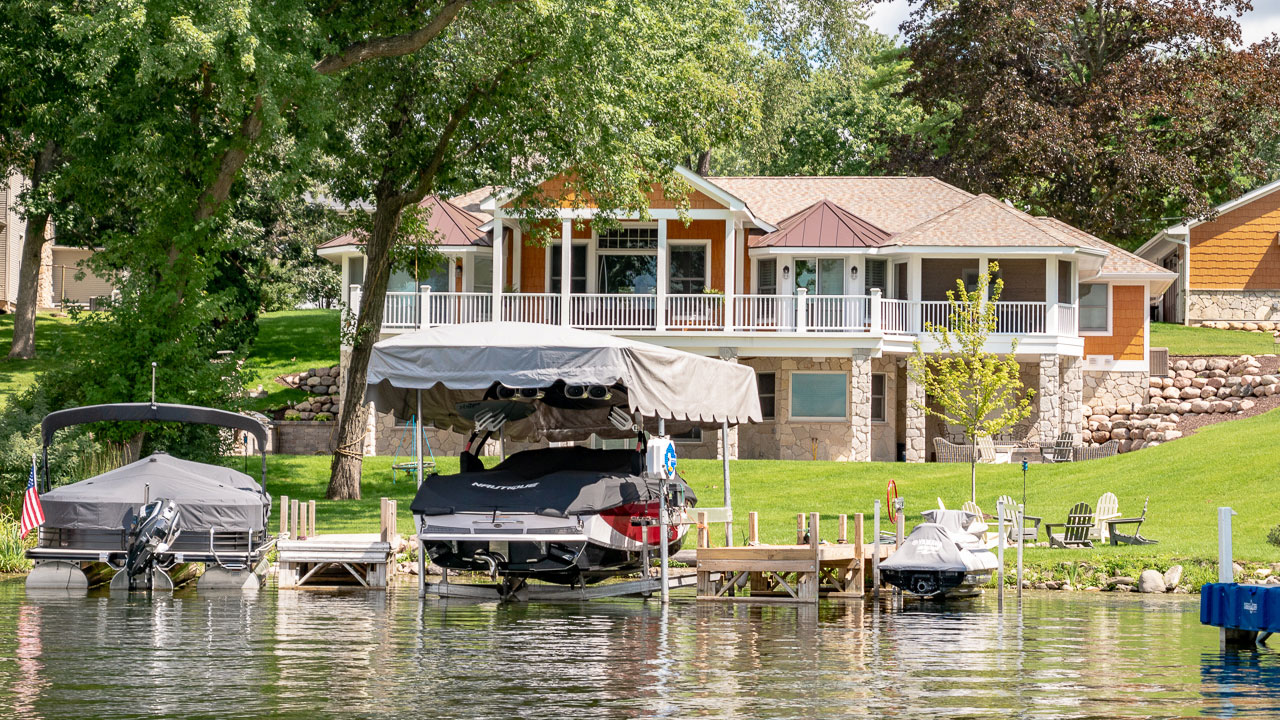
[943, 557]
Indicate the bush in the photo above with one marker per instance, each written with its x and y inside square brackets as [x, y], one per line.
[324, 416]
[13, 557]
[73, 453]
[292, 415]
[1273, 537]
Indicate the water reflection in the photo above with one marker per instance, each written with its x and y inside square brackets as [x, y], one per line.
[368, 654]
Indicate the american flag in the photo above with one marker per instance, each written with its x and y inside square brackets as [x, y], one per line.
[32, 513]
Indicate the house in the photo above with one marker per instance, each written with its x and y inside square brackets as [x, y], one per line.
[821, 284]
[60, 281]
[1228, 265]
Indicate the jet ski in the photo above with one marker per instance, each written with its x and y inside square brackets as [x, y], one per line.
[942, 557]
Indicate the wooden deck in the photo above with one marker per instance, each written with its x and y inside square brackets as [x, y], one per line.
[306, 559]
[786, 573]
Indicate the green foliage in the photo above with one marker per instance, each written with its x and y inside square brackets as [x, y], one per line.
[323, 417]
[12, 545]
[1273, 536]
[1183, 340]
[74, 455]
[292, 415]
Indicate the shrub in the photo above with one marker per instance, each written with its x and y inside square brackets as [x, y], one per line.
[1273, 537]
[13, 548]
[292, 415]
[324, 416]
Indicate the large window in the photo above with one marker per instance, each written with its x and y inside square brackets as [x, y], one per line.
[877, 276]
[1094, 308]
[877, 397]
[578, 269]
[688, 269]
[627, 260]
[482, 274]
[823, 276]
[766, 387]
[819, 396]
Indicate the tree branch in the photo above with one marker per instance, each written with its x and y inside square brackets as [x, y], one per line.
[394, 45]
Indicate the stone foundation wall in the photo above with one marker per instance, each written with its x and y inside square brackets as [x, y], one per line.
[783, 439]
[1231, 304]
[884, 435]
[1114, 387]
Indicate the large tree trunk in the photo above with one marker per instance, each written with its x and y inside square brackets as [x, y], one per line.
[33, 242]
[344, 473]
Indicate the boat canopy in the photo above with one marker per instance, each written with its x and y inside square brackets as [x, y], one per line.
[456, 365]
[208, 496]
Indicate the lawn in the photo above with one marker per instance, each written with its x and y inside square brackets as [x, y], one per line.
[288, 342]
[1183, 340]
[1226, 464]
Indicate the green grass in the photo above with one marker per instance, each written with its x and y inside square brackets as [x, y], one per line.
[1183, 340]
[17, 375]
[289, 342]
[1226, 464]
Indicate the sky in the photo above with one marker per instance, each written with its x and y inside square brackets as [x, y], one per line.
[1261, 22]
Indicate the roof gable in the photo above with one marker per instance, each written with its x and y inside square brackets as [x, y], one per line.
[981, 222]
[892, 204]
[453, 226]
[1118, 261]
[823, 224]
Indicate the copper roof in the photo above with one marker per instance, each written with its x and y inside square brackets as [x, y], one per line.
[823, 224]
[453, 226]
[892, 204]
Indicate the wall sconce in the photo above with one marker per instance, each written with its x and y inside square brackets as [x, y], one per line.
[457, 271]
[853, 272]
[786, 272]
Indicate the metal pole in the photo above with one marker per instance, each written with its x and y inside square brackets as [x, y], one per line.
[728, 501]
[422, 548]
[1022, 523]
[1000, 545]
[899, 521]
[153, 384]
[662, 536]
[1226, 569]
[875, 556]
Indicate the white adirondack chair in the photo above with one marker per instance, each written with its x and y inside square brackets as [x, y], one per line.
[1108, 508]
[987, 452]
[941, 505]
[1010, 515]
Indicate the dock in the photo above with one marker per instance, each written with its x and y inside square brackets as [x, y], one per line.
[800, 573]
[308, 559]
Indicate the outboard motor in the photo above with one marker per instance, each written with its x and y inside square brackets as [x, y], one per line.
[150, 535]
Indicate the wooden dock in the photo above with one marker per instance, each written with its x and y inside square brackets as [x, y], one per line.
[307, 559]
[786, 573]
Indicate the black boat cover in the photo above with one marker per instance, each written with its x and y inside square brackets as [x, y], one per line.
[928, 547]
[208, 496]
[552, 481]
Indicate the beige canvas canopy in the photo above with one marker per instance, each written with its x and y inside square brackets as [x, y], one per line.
[456, 364]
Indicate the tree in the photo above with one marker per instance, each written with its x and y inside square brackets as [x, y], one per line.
[1112, 115]
[613, 96]
[970, 387]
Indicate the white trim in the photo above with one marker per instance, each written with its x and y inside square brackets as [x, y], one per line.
[964, 251]
[1111, 310]
[791, 396]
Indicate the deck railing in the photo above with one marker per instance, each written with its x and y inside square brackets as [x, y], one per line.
[707, 312]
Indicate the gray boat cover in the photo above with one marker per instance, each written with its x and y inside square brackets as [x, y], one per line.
[455, 364]
[208, 497]
[959, 524]
[558, 482]
[928, 547]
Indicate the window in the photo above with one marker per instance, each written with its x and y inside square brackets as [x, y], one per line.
[436, 276]
[1094, 315]
[1064, 282]
[877, 276]
[877, 397]
[578, 269]
[482, 274]
[766, 382]
[823, 276]
[692, 435]
[819, 396]
[403, 281]
[355, 270]
[767, 277]
[688, 269]
[628, 238]
[627, 273]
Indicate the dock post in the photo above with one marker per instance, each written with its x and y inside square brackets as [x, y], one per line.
[753, 528]
[311, 517]
[1021, 524]
[1000, 545]
[1227, 637]
[875, 556]
[800, 528]
[704, 532]
[900, 521]
[859, 551]
[284, 516]
[293, 518]
[704, 540]
[810, 581]
[842, 529]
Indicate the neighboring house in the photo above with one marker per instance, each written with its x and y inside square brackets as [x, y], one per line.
[59, 268]
[1228, 266]
[821, 284]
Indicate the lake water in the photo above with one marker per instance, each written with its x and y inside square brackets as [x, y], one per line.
[371, 654]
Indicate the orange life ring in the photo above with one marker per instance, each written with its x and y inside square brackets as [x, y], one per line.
[892, 487]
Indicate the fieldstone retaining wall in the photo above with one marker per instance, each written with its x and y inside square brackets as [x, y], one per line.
[325, 386]
[1232, 305]
[1113, 387]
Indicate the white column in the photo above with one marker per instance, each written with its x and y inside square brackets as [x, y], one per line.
[664, 277]
[499, 265]
[1051, 295]
[517, 242]
[566, 268]
[730, 271]
[424, 306]
[876, 320]
[802, 309]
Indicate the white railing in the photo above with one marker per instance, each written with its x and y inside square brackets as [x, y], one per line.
[898, 316]
[1020, 318]
[831, 313]
[1012, 317]
[599, 311]
[456, 308]
[400, 310]
[1067, 320]
[764, 312]
[695, 312]
[541, 308]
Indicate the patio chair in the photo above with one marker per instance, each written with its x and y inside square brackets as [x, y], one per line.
[1010, 514]
[949, 452]
[1095, 452]
[1135, 538]
[941, 505]
[972, 507]
[1108, 508]
[1063, 449]
[987, 452]
[1075, 531]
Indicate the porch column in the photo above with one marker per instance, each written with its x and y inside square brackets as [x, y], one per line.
[1047, 399]
[517, 241]
[917, 450]
[730, 273]
[499, 265]
[860, 406]
[1071, 395]
[1051, 296]
[664, 278]
[566, 269]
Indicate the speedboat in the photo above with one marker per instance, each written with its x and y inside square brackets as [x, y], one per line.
[568, 515]
[943, 557]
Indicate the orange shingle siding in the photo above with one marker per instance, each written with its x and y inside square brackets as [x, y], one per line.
[1128, 320]
[1238, 250]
